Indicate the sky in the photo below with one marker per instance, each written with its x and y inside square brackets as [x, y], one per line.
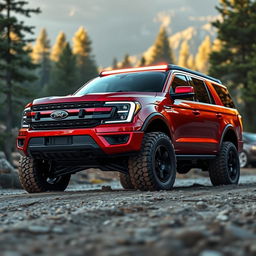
[117, 27]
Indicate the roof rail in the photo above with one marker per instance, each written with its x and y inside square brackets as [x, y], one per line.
[175, 67]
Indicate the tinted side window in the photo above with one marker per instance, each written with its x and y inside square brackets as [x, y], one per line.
[201, 91]
[224, 96]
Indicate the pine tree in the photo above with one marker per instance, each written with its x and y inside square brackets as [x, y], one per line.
[15, 62]
[40, 56]
[85, 60]
[126, 63]
[249, 93]
[203, 54]
[162, 52]
[234, 62]
[64, 75]
[184, 55]
[142, 62]
[217, 44]
[115, 64]
[58, 46]
[42, 46]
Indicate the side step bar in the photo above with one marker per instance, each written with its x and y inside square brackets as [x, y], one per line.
[195, 157]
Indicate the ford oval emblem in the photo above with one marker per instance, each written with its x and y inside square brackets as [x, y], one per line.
[59, 114]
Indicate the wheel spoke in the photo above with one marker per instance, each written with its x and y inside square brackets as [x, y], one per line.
[162, 163]
[232, 164]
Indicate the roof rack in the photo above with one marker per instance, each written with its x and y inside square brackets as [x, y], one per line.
[163, 67]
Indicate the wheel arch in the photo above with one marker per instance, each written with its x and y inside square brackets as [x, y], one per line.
[156, 122]
[229, 134]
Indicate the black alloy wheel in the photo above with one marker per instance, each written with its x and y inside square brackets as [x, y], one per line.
[163, 165]
[233, 164]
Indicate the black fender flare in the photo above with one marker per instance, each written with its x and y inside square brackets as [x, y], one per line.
[225, 130]
[153, 117]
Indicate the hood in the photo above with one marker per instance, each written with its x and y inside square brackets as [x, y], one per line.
[118, 96]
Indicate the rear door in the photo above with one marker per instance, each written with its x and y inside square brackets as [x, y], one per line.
[208, 124]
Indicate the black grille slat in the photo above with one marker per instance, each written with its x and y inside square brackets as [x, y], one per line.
[69, 105]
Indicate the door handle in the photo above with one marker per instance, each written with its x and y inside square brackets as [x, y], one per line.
[219, 115]
[196, 112]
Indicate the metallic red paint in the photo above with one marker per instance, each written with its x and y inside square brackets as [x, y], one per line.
[195, 128]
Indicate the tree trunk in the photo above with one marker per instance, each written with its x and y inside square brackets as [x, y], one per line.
[249, 117]
[9, 112]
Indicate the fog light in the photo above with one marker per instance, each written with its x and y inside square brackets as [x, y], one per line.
[21, 142]
[117, 139]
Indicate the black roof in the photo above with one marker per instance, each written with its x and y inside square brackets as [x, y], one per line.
[175, 67]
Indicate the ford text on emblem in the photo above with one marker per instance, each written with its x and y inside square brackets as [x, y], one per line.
[59, 114]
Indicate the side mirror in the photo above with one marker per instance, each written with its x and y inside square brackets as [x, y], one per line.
[182, 92]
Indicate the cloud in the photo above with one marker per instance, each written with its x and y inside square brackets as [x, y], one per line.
[72, 11]
[184, 9]
[209, 18]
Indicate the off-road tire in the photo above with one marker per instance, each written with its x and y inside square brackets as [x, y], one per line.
[142, 166]
[219, 171]
[32, 178]
[125, 181]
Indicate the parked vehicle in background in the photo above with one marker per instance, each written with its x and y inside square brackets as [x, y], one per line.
[145, 123]
[248, 155]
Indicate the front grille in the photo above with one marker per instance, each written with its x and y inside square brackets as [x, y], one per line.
[77, 116]
[68, 105]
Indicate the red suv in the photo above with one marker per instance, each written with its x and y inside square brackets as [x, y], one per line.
[145, 123]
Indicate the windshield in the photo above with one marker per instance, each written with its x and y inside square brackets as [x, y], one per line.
[129, 82]
[250, 137]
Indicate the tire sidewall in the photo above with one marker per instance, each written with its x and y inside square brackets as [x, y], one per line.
[169, 183]
[125, 181]
[236, 179]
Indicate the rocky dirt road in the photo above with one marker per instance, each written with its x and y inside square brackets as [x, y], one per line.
[192, 219]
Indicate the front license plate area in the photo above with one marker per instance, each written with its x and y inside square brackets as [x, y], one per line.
[58, 140]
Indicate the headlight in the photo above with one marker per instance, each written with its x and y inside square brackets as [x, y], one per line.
[26, 118]
[253, 147]
[123, 111]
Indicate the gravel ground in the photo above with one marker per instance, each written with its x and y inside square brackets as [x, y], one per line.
[192, 219]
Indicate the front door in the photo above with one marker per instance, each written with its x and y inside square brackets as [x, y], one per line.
[194, 126]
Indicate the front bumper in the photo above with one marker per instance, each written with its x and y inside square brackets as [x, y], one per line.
[26, 142]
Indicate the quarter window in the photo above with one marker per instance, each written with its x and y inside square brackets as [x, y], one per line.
[224, 96]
